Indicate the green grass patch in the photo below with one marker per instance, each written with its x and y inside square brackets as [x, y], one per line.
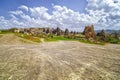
[29, 37]
[112, 40]
[58, 38]
[88, 42]
[5, 32]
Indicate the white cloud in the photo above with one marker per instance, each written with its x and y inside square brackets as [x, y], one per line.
[24, 7]
[17, 12]
[103, 14]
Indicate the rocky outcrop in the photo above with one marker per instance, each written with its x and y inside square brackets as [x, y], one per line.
[89, 33]
[66, 32]
[49, 31]
[58, 31]
[102, 36]
[114, 35]
[44, 31]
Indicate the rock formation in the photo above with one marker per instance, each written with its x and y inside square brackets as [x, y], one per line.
[67, 32]
[44, 31]
[89, 33]
[49, 31]
[58, 31]
[102, 36]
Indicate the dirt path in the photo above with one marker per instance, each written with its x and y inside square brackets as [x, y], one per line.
[64, 60]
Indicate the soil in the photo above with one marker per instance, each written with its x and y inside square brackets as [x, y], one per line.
[62, 60]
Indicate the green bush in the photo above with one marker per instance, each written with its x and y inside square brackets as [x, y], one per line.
[57, 38]
[29, 37]
[115, 41]
[4, 31]
[112, 40]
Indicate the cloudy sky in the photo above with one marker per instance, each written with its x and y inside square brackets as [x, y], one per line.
[72, 14]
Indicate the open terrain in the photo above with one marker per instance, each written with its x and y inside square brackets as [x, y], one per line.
[63, 60]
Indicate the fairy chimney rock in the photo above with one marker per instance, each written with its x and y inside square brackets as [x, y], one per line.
[89, 32]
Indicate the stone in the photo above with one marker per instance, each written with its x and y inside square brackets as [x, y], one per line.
[89, 32]
[66, 32]
[102, 36]
[58, 31]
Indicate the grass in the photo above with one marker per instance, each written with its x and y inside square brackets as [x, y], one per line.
[5, 32]
[54, 38]
[29, 37]
[88, 42]
[58, 38]
[112, 40]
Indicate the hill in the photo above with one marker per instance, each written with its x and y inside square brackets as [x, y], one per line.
[109, 31]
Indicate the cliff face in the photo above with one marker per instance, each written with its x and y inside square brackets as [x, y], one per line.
[89, 32]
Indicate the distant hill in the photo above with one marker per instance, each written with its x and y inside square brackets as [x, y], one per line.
[109, 31]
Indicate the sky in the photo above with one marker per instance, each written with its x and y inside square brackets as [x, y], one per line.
[71, 14]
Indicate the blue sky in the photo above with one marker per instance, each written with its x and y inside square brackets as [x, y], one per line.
[71, 14]
[7, 5]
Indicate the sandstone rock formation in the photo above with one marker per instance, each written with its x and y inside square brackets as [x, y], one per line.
[58, 31]
[89, 33]
[67, 32]
[44, 31]
[102, 36]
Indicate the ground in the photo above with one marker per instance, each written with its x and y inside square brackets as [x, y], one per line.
[62, 60]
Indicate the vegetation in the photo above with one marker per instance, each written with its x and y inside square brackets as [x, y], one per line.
[29, 37]
[5, 31]
[57, 38]
[89, 42]
[112, 40]
[58, 34]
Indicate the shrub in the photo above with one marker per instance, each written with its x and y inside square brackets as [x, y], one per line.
[112, 40]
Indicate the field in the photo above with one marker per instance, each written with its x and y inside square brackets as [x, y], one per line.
[61, 60]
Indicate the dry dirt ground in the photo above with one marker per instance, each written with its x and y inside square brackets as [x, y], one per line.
[63, 60]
